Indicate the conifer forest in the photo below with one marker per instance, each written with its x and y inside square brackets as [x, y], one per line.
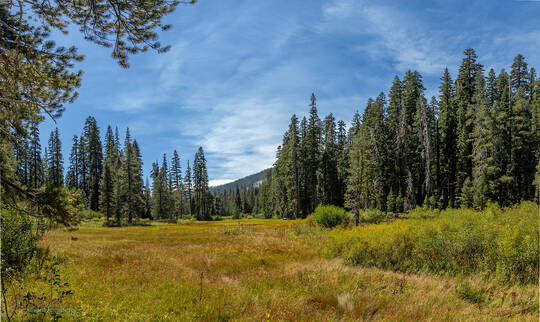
[421, 204]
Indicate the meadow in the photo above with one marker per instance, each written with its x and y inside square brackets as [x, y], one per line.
[260, 270]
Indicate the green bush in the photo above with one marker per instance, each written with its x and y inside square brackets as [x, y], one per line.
[88, 214]
[375, 216]
[498, 243]
[330, 216]
[20, 234]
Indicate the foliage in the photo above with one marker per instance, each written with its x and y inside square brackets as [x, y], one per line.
[48, 301]
[477, 142]
[330, 216]
[272, 271]
[20, 234]
[470, 294]
[375, 216]
[502, 243]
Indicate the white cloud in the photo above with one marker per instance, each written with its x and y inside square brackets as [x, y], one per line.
[383, 31]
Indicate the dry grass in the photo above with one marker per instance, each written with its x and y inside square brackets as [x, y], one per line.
[254, 270]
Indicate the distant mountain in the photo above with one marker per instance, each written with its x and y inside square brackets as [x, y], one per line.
[251, 180]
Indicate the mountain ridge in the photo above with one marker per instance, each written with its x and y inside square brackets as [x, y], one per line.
[250, 180]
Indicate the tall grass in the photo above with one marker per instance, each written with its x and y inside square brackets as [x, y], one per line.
[496, 243]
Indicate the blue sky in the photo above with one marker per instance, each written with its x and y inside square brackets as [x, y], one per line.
[238, 70]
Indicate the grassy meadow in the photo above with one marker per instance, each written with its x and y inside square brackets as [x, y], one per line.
[261, 270]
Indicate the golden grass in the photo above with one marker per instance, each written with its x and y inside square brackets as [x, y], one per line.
[253, 270]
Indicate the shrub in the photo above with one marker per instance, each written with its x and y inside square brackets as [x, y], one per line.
[374, 216]
[501, 243]
[89, 214]
[20, 234]
[330, 216]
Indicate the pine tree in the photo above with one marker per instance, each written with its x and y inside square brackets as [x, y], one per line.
[392, 126]
[379, 155]
[329, 180]
[177, 186]
[409, 139]
[138, 183]
[448, 142]
[342, 155]
[72, 176]
[312, 149]
[129, 177]
[426, 129]
[35, 162]
[290, 155]
[95, 160]
[481, 137]
[83, 165]
[500, 179]
[158, 211]
[360, 191]
[523, 161]
[147, 200]
[465, 89]
[520, 75]
[109, 179]
[200, 186]
[55, 172]
[166, 197]
[188, 189]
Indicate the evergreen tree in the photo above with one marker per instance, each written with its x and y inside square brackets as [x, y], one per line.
[409, 139]
[200, 186]
[291, 169]
[72, 176]
[342, 162]
[147, 200]
[447, 140]
[177, 186]
[392, 126]
[110, 180]
[83, 165]
[158, 211]
[129, 177]
[481, 137]
[188, 188]
[95, 160]
[55, 173]
[138, 183]
[35, 162]
[465, 89]
[360, 192]
[329, 183]
[520, 75]
[312, 149]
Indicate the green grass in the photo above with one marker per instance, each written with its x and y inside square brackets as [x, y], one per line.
[495, 243]
[255, 270]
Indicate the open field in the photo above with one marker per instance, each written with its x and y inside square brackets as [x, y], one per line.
[256, 270]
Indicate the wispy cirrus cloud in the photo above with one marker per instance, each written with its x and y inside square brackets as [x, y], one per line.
[384, 31]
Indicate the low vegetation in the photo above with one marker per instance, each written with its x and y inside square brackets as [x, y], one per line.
[261, 269]
[330, 216]
[494, 243]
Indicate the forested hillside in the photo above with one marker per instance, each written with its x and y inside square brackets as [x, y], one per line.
[476, 142]
[248, 181]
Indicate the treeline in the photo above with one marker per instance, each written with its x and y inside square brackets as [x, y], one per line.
[238, 201]
[478, 141]
[107, 176]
